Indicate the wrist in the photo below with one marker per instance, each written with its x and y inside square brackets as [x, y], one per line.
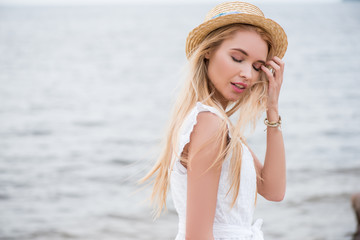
[276, 124]
[272, 114]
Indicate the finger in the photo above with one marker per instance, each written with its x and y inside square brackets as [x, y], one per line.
[278, 73]
[268, 73]
[281, 64]
[275, 66]
[279, 61]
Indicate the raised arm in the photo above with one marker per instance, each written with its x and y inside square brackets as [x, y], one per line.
[273, 172]
[202, 188]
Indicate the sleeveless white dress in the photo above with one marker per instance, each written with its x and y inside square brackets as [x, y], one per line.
[234, 224]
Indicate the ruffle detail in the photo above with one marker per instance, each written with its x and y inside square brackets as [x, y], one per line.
[188, 126]
[191, 121]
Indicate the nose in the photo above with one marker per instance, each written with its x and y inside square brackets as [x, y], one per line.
[246, 71]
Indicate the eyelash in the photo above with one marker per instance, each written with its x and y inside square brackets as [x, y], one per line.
[236, 60]
[239, 61]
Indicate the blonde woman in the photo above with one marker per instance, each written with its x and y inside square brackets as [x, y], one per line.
[235, 68]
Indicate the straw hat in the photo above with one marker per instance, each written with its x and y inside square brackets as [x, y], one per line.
[237, 12]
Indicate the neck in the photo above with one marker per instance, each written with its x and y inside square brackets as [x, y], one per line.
[223, 102]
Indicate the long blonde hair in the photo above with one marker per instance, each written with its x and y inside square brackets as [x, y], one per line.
[198, 88]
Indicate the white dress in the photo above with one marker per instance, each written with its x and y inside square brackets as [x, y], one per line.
[234, 224]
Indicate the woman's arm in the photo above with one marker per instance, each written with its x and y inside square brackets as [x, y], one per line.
[202, 188]
[272, 184]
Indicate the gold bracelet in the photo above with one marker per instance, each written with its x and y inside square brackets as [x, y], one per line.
[273, 124]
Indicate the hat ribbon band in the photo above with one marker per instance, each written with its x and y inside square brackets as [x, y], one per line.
[225, 13]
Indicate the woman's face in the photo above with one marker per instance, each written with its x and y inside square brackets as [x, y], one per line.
[235, 65]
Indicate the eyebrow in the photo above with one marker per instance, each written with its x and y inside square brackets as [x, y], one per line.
[246, 54]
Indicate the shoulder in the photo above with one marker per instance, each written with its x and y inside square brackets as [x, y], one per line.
[201, 107]
[207, 125]
[205, 137]
[205, 142]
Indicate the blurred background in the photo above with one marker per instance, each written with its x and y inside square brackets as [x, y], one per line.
[86, 90]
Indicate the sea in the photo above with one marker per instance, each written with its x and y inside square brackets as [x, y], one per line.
[85, 96]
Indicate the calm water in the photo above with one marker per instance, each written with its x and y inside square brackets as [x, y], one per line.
[85, 94]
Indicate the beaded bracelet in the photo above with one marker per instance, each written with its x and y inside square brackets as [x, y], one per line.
[273, 124]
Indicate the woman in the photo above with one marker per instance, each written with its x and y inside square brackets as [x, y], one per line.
[235, 67]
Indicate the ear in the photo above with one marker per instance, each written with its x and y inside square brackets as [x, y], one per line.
[207, 55]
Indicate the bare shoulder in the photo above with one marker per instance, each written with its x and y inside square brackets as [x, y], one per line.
[203, 142]
[202, 138]
[207, 125]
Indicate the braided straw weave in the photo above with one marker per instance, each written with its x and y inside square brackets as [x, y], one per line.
[237, 12]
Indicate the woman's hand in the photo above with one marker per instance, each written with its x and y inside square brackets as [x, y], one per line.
[275, 82]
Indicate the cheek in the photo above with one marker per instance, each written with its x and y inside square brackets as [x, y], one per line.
[255, 79]
[220, 68]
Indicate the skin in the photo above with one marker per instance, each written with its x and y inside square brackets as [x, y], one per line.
[227, 65]
[238, 59]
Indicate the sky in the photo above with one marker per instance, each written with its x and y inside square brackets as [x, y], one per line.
[95, 2]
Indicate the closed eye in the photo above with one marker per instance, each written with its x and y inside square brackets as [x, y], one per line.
[236, 60]
[256, 69]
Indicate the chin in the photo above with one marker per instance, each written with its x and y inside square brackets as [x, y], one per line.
[233, 99]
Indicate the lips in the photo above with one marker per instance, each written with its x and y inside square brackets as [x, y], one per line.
[239, 86]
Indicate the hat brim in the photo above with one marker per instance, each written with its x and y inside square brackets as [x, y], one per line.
[278, 35]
